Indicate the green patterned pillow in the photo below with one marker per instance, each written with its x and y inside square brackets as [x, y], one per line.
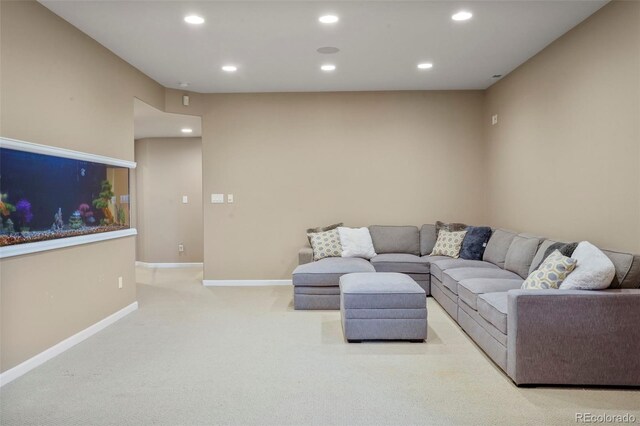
[551, 273]
[448, 243]
[325, 244]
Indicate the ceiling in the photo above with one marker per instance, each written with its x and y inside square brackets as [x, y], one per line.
[274, 43]
[153, 123]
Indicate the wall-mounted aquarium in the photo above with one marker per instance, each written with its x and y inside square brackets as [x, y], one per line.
[47, 197]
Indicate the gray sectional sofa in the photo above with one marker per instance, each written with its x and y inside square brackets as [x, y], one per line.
[536, 336]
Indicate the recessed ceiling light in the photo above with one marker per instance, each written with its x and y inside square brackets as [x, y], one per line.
[327, 50]
[328, 67]
[187, 130]
[328, 19]
[194, 19]
[230, 68]
[425, 65]
[463, 15]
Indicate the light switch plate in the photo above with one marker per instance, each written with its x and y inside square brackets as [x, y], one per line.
[229, 198]
[494, 119]
[185, 199]
[217, 198]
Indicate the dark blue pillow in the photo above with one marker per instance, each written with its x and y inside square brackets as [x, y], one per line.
[474, 243]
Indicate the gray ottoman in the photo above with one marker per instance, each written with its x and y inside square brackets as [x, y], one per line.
[382, 306]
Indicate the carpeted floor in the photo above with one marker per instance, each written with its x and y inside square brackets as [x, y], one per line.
[201, 356]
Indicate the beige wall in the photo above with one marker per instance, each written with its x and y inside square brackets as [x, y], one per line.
[59, 87]
[169, 168]
[564, 159]
[307, 159]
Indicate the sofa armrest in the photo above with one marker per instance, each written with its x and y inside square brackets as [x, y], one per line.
[574, 337]
[305, 255]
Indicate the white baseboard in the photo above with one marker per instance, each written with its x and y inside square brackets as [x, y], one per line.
[244, 283]
[28, 365]
[187, 265]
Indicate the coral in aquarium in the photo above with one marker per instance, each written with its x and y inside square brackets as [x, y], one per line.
[121, 215]
[86, 213]
[75, 221]
[5, 207]
[8, 227]
[58, 223]
[103, 200]
[23, 210]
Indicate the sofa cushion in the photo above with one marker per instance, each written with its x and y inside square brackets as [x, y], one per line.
[469, 290]
[497, 247]
[475, 242]
[400, 262]
[540, 254]
[451, 277]
[493, 308]
[448, 243]
[551, 273]
[428, 239]
[440, 265]
[395, 239]
[327, 272]
[627, 269]
[481, 327]
[520, 254]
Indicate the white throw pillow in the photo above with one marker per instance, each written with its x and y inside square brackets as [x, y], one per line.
[356, 242]
[594, 270]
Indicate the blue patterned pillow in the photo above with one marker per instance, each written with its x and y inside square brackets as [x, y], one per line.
[475, 242]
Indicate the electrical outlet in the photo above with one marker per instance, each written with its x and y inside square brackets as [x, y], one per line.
[180, 248]
[119, 282]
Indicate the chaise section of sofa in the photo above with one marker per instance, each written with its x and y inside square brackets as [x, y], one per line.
[316, 284]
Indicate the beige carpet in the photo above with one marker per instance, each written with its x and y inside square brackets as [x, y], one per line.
[198, 356]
